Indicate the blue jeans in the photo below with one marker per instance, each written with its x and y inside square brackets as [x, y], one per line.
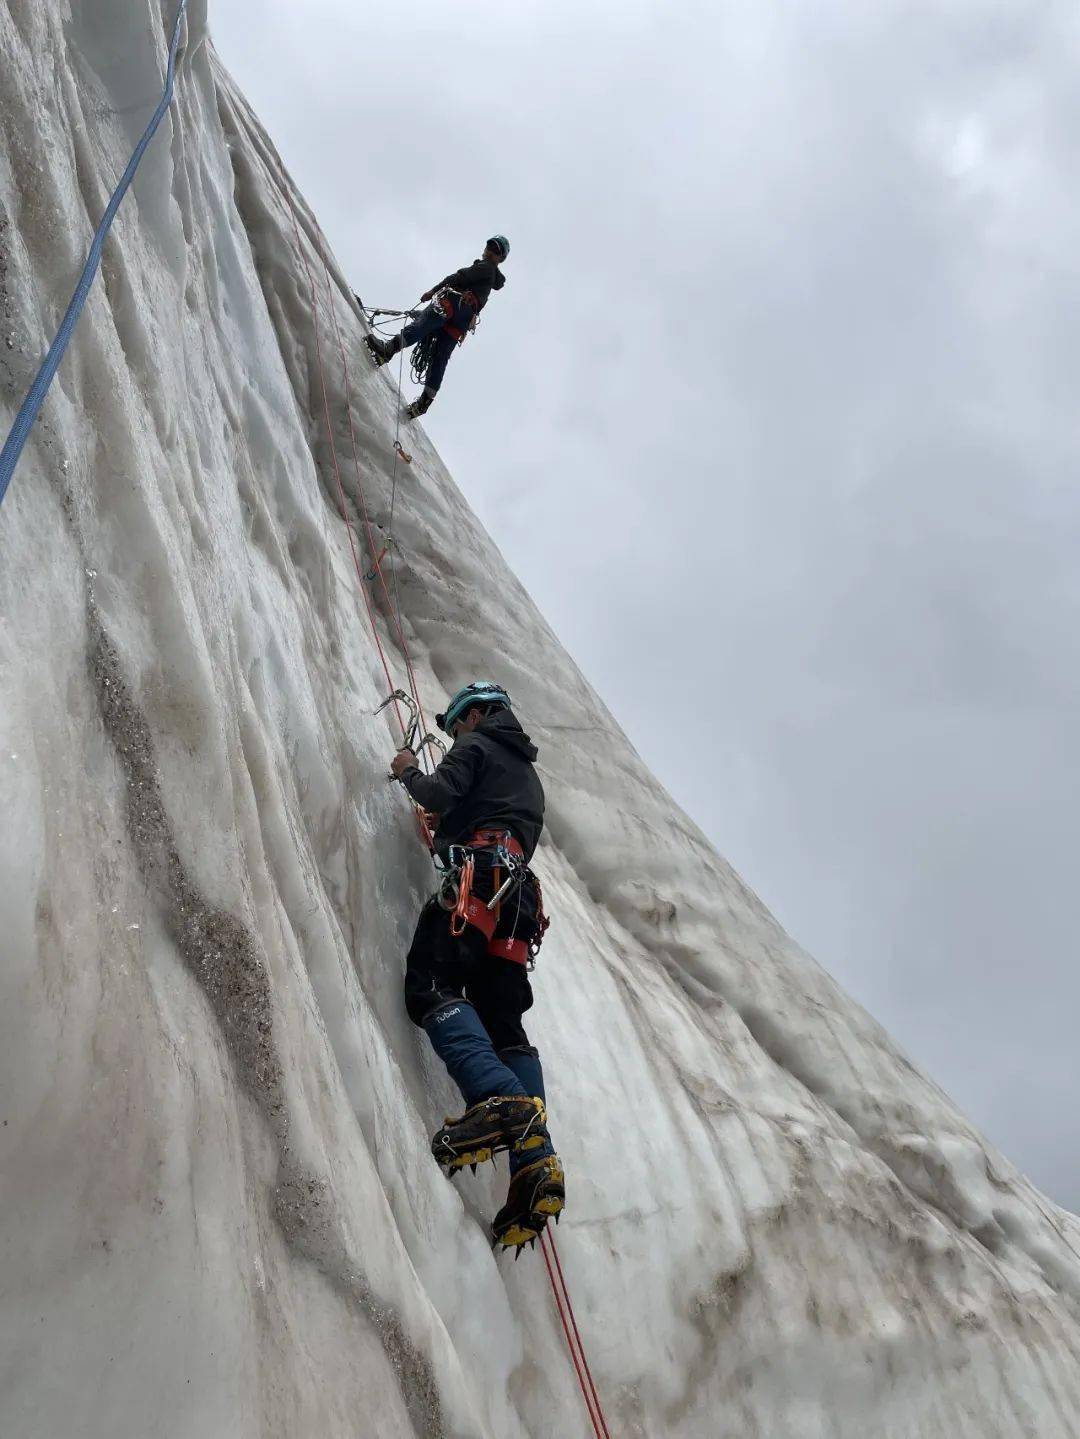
[433, 320]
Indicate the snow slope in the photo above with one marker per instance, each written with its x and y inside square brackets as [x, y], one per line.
[218, 1215]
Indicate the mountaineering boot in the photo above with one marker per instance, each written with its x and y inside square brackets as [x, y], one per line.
[376, 346]
[420, 405]
[537, 1183]
[382, 350]
[486, 1129]
[525, 1063]
[537, 1193]
[498, 1111]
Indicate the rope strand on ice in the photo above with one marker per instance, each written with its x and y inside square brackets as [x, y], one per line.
[35, 398]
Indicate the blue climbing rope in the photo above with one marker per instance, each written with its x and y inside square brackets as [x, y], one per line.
[31, 406]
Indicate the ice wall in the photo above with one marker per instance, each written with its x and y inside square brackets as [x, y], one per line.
[218, 1215]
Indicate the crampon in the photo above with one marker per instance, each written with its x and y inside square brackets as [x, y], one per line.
[488, 1128]
[537, 1193]
[381, 350]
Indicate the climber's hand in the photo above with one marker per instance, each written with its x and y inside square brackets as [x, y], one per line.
[403, 760]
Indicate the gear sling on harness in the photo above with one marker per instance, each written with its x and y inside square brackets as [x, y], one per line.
[458, 894]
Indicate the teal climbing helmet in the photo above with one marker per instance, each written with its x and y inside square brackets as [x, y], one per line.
[482, 692]
[500, 243]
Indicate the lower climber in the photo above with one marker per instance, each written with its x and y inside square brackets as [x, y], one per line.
[467, 975]
[436, 331]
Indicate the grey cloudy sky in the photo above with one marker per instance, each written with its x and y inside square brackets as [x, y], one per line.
[777, 421]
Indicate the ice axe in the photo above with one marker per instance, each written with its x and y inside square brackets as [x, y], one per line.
[409, 739]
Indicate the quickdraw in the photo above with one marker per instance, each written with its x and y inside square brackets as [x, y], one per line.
[397, 314]
[375, 570]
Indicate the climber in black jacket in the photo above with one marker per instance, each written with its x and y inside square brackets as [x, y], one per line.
[458, 299]
[467, 979]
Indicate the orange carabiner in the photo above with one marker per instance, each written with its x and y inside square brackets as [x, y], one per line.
[460, 917]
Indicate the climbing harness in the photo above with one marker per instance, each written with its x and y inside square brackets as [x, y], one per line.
[504, 852]
[35, 398]
[445, 301]
[500, 852]
[423, 351]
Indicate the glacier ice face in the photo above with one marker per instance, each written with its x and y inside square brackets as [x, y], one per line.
[218, 1213]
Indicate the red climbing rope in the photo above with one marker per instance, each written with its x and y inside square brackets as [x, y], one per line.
[569, 1323]
[393, 608]
[333, 454]
[375, 553]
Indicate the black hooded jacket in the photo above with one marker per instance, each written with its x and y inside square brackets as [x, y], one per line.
[487, 781]
[481, 277]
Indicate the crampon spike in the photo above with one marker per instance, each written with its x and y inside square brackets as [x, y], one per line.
[473, 1167]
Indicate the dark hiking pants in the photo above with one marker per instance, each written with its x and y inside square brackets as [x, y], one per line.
[433, 320]
[440, 969]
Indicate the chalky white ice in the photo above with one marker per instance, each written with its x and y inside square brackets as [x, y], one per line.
[218, 1213]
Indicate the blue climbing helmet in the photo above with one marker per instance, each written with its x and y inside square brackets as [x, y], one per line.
[500, 243]
[481, 692]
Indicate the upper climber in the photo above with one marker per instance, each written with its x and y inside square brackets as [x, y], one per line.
[466, 979]
[458, 299]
